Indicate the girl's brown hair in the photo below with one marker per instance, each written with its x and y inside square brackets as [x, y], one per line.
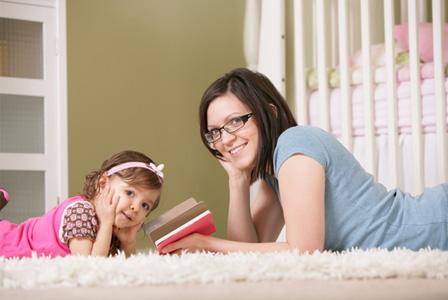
[138, 177]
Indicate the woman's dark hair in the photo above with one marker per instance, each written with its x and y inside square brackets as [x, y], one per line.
[268, 106]
[137, 177]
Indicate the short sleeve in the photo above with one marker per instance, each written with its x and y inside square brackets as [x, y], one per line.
[300, 140]
[79, 221]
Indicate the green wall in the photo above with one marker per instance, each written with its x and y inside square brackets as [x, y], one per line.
[136, 72]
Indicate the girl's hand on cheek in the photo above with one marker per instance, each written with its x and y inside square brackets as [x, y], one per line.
[105, 205]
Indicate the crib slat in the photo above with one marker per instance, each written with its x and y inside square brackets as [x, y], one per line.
[300, 89]
[334, 33]
[369, 133]
[439, 78]
[322, 65]
[251, 33]
[271, 55]
[417, 139]
[392, 109]
[344, 71]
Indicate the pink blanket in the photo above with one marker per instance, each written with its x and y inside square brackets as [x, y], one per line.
[380, 100]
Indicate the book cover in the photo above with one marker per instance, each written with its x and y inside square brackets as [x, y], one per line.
[190, 216]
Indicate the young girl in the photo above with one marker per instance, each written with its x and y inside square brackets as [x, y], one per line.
[116, 200]
[308, 182]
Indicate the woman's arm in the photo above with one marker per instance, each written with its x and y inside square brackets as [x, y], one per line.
[240, 226]
[260, 223]
[302, 189]
[267, 213]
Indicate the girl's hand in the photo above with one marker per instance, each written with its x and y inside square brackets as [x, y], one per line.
[191, 243]
[128, 238]
[127, 235]
[105, 205]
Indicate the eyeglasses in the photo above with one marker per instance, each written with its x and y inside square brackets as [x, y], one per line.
[231, 126]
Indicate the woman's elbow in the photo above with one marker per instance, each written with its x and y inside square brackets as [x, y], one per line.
[303, 248]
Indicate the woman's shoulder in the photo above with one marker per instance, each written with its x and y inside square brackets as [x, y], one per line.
[300, 130]
[304, 134]
[307, 140]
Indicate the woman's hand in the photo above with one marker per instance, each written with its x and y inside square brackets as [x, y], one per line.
[191, 243]
[105, 205]
[235, 173]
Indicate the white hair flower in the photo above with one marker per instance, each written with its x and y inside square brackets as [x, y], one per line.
[157, 169]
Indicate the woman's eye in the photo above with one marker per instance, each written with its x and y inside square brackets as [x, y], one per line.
[146, 206]
[129, 193]
[235, 121]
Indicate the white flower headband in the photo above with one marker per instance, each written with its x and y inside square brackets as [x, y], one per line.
[137, 164]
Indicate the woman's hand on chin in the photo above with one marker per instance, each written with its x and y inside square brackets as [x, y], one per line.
[194, 242]
[233, 172]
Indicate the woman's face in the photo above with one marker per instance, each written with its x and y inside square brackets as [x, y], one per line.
[240, 146]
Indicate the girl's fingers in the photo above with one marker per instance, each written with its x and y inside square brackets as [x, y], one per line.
[107, 195]
[114, 201]
[106, 189]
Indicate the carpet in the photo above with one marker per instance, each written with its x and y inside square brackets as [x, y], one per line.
[150, 268]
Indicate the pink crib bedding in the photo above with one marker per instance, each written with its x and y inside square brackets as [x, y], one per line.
[380, 99]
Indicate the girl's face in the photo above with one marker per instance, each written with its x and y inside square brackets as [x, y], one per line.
[134, 204]
[240, 146]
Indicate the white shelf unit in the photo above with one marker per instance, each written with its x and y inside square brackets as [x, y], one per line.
[33, 104]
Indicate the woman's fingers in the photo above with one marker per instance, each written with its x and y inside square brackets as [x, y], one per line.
[170, 248]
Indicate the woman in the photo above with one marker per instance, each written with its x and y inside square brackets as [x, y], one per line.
[308, 182]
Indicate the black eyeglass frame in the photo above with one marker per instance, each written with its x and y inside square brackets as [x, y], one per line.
[209, 136]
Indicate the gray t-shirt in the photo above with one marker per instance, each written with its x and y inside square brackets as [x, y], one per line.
[360, 212]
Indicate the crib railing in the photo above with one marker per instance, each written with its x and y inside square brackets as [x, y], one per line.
[333, 40]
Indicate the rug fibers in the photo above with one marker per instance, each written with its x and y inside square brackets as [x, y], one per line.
[150, 268]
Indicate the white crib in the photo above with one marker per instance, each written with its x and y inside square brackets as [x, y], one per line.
[337, 62]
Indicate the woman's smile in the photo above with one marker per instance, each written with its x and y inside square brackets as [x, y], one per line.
[237, 150]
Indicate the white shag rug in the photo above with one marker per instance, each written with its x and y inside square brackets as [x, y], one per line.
[152, 269]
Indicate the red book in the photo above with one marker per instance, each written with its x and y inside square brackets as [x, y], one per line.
[185, 218]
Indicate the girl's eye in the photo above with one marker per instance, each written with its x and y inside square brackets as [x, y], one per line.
[130, 193]
[146, 206]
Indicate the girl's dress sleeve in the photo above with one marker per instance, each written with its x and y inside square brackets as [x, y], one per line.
[79, 221]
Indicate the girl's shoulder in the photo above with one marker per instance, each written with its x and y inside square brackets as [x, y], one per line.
[73, 200]
[78, 221]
